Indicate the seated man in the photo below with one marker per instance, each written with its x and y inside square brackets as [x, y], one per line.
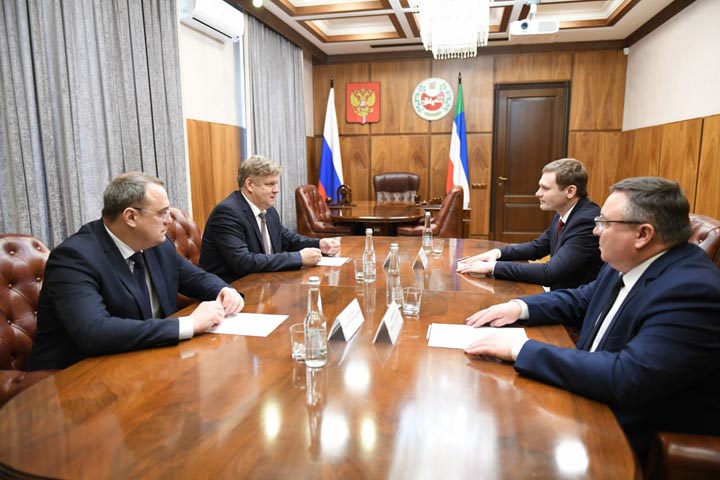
[575, 259]
[650, 340]
[244, 235]
[108, 286]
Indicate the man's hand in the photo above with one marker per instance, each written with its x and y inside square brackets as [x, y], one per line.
[489, 256]
[231, 301]
[496, 316]
[310, 256]
[206, 316]
[329, 246]
[498, 343]
[483, 268]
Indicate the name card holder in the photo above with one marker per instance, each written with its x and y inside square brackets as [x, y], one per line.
[390, 325]
[423, 263]
[347, 323]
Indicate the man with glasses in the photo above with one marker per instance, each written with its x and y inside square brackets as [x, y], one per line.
[573, 249]
[244, 234]
[108, 287]
[650, 340]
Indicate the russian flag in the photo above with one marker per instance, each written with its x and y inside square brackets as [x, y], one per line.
[331, 175]
[458, 161]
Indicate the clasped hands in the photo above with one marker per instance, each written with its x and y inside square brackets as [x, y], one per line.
[311, 256]
[211, 313]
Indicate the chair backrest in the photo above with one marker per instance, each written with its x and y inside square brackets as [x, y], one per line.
[448, 223]
[22, 269]
[396, 187]
[706, 234]
[185, 234]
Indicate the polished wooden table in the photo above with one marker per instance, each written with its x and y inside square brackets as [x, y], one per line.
[382, 217]
[222, 406]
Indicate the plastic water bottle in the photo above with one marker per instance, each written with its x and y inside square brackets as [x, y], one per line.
[369, 260]
[427, 235]
[393, 287]
[315, 327]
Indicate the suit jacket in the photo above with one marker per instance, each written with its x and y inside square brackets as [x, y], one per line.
[658, 364]
[89, 301]
[232, 245]
[575, 257]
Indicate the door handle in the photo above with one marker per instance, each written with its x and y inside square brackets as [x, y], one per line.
[503, 179]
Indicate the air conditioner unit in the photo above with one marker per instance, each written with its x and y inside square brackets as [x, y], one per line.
[525, 31]
[214, 18]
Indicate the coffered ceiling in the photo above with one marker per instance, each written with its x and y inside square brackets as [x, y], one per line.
[334, 28]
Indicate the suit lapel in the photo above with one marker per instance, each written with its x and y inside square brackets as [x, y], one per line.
[158, 281]
[247, 211]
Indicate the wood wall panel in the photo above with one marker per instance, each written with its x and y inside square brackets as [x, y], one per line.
[480, 166]
[397, 83]
[598, 90]
[214, 153]
[646, 146]
[356, 166]
[342, 74]
[477, 92]
[533, 67]
[707, 200]
[680, 154]
[604, 155]
[401, 153]
[439, 157]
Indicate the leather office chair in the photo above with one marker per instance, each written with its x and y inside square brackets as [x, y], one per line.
[448, 223]
[396, 187]
[706, 234]
[313, 215]
[22, 268]
[187, 238]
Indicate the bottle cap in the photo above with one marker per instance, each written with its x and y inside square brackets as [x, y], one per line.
[314, 280]
[394, 245]
[368, 231]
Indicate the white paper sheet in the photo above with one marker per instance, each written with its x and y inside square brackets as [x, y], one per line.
[445, 335]
[333, 261]
[250, 324]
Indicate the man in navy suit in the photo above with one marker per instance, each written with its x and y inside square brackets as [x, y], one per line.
[108, 286]
[575, 259]
[650, 348]
[244, 235]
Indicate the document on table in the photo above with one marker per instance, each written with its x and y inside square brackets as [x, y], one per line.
[250, 324]
[460, 336]
[333, 261]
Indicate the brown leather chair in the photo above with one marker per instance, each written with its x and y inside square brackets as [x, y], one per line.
[22, 267]
[313, 215]
[187, 238]
[448, 223]
[396, 187]
[706, 234]
[680, 456]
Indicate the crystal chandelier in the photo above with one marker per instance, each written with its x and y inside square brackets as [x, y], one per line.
[453, 28]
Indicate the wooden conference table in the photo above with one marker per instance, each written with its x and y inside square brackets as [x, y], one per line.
[224, 406]
[382, 217]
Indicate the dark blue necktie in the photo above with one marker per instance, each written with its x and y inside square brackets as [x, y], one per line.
[614, 291]
[139, 274]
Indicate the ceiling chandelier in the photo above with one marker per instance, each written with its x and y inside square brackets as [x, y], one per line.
[453, 28]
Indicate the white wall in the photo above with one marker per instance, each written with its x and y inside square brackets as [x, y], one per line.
[208, 78]
[673, 74]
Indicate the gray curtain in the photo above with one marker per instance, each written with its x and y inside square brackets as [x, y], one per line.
[277, 112]
[89, 89]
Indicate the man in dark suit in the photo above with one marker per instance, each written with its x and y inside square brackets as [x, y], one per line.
[244, 235]
[650, 340]
[108, 286]
[569, 240]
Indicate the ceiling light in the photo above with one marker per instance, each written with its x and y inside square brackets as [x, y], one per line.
[453, 28]
[257, 3]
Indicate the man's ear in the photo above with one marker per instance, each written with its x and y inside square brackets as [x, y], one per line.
[571, 191]
[129, 216]
[645, 234]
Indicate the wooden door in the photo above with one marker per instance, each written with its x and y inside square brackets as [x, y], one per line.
[531, 130]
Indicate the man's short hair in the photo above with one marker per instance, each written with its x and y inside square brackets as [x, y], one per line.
[256, 166]
[126, 190]
[659, 202]
[569, 171]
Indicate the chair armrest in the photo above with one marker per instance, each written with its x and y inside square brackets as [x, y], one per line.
[682, 455]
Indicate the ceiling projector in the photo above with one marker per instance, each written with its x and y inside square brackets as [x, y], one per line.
[527, 30]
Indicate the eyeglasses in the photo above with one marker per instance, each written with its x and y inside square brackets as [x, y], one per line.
[165, 214]
[603, 223]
